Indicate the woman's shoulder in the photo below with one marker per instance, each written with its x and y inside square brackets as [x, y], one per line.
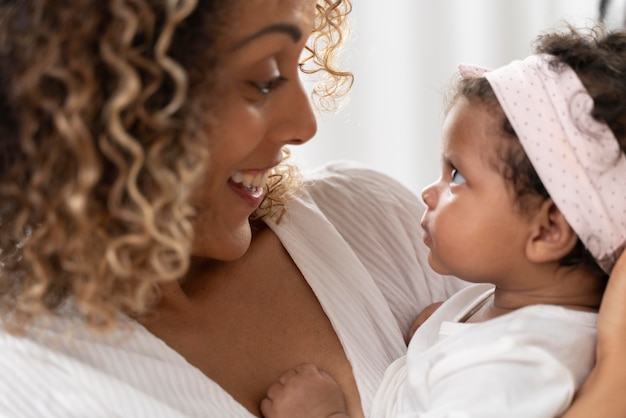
[348, 170]
[123, 372]
[379, 219]
[352, 184]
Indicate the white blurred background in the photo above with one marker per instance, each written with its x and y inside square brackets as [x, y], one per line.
[403, 54]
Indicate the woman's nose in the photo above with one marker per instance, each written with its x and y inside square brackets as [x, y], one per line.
[430, 196]
[295, 123]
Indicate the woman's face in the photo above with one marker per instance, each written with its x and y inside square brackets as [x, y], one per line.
[262, 106]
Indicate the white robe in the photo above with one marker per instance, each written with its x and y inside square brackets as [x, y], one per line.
[526, 364]
[355, 235]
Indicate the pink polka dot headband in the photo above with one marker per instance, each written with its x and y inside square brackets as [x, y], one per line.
[576, 157]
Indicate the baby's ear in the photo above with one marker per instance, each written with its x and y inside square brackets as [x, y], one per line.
[551, 237]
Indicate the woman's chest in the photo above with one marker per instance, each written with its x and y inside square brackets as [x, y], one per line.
[254, 320]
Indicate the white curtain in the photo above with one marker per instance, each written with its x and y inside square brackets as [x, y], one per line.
[403, 54]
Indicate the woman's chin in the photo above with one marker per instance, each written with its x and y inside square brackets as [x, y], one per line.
[226, 247]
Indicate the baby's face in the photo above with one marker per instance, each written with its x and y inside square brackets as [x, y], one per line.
[472, 226]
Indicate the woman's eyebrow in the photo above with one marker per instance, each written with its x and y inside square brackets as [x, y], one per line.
[292, 30]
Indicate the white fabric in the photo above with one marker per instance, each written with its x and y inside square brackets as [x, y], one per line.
[526, 364]
[355, 236]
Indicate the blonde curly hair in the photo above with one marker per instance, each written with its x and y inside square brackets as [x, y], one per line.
[103, 105]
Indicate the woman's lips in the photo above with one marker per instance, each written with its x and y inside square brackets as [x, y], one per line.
[249, 185]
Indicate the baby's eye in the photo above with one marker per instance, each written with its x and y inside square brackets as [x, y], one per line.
[457, 177]
[266, 87]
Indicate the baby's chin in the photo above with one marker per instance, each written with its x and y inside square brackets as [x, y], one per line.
[436, 265]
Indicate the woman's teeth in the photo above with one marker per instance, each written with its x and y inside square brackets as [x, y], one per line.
[249, 181]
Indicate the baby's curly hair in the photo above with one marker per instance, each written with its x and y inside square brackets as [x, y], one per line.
[103, 106]
[598, 56]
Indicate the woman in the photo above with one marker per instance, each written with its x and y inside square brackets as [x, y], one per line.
[154, 259]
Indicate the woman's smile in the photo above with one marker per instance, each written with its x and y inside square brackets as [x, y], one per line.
[249, 185]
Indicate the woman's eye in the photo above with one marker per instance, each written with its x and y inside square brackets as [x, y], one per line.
[267, 87]
[457, 177]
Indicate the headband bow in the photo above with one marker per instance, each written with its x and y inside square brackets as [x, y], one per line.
[576, 157]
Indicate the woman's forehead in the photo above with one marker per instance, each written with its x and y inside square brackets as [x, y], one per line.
[253, 17]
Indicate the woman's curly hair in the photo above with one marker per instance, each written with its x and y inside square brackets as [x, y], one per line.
[103, 106]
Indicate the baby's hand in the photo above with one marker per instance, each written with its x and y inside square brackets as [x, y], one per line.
[304, 392]
[422, 317]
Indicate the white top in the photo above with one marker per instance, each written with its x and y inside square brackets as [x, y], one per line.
[525, 364]
[355, 236]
